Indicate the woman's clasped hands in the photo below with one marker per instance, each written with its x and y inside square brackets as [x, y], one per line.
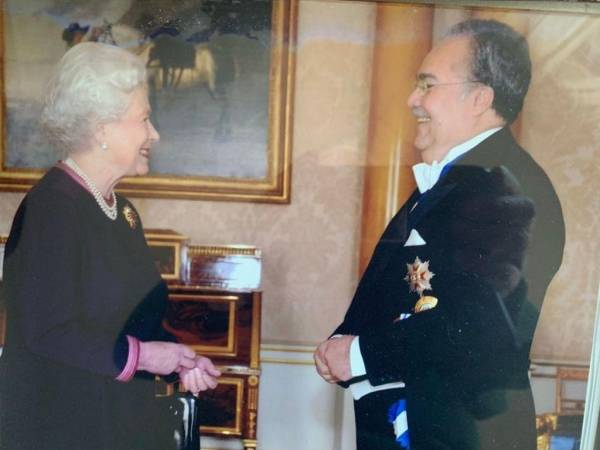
[197, 373]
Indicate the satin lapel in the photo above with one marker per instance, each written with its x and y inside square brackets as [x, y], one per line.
[393, 237]
[428, 201]
[397, 228]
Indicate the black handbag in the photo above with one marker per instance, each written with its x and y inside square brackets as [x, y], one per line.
[181, 417]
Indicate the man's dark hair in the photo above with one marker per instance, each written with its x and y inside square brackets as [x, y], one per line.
[499, 59]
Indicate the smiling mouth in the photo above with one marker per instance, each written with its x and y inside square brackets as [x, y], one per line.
[420, 115]
[145, 152]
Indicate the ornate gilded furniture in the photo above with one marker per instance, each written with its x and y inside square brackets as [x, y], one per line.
[558, 431]
[215, 308]
[566, 402]
[561, 429]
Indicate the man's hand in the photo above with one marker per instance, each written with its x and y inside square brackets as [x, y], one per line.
[332, 359]
[321, 364]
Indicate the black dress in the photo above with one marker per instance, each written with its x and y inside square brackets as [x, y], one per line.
[76, 284]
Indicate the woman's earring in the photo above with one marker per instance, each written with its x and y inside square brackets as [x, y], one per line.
[104, 146]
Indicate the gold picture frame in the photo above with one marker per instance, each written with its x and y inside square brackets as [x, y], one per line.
[256, 169]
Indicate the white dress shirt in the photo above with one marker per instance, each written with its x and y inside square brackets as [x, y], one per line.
[427, 175]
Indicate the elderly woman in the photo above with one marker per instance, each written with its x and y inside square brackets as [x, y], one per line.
[84, 299]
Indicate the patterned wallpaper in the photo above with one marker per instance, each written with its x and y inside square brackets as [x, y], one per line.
[560, 128]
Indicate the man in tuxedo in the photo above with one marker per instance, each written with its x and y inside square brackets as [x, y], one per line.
[435, 344]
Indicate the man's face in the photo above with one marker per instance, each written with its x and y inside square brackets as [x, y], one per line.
[442, 102]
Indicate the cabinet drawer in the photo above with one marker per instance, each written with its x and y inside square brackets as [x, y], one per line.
[218, 325]
[221, 409]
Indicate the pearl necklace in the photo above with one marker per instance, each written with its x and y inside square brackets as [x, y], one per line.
[110, 211]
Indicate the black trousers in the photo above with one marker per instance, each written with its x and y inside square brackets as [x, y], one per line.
[373, 430]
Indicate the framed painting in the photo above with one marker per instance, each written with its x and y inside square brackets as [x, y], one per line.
[220, 77]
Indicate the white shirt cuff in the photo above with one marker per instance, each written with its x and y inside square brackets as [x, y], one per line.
[357, 364]
[357, 368]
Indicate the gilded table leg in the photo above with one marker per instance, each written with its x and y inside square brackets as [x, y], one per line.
[251, 413]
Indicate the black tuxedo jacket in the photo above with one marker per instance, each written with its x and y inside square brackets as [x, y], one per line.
[494, 237]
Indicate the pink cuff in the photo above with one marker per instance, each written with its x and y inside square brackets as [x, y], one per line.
[132, 360]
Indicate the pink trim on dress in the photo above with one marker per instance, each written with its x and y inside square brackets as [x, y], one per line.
[132, 360]
[78, 179]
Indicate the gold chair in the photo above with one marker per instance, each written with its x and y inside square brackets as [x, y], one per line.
[549, 424]
[545, 425]
[564, 403]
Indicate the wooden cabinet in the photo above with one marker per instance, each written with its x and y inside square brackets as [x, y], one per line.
[224, 326]
[215, 307]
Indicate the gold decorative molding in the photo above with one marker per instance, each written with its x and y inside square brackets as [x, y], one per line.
[163, 234]
[253, 381]
[288, 348]
[255, 337]
[566, 6]
[223, 250]
[200, 297]
[286, 361]
[252, 423]
[279, 354]
[249, 443]
[238, 370]
[559, 362]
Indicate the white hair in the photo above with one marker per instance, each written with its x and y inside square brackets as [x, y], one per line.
[91, 85]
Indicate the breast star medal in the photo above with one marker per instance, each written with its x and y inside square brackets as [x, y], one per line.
[130, 216]
[418, 277]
